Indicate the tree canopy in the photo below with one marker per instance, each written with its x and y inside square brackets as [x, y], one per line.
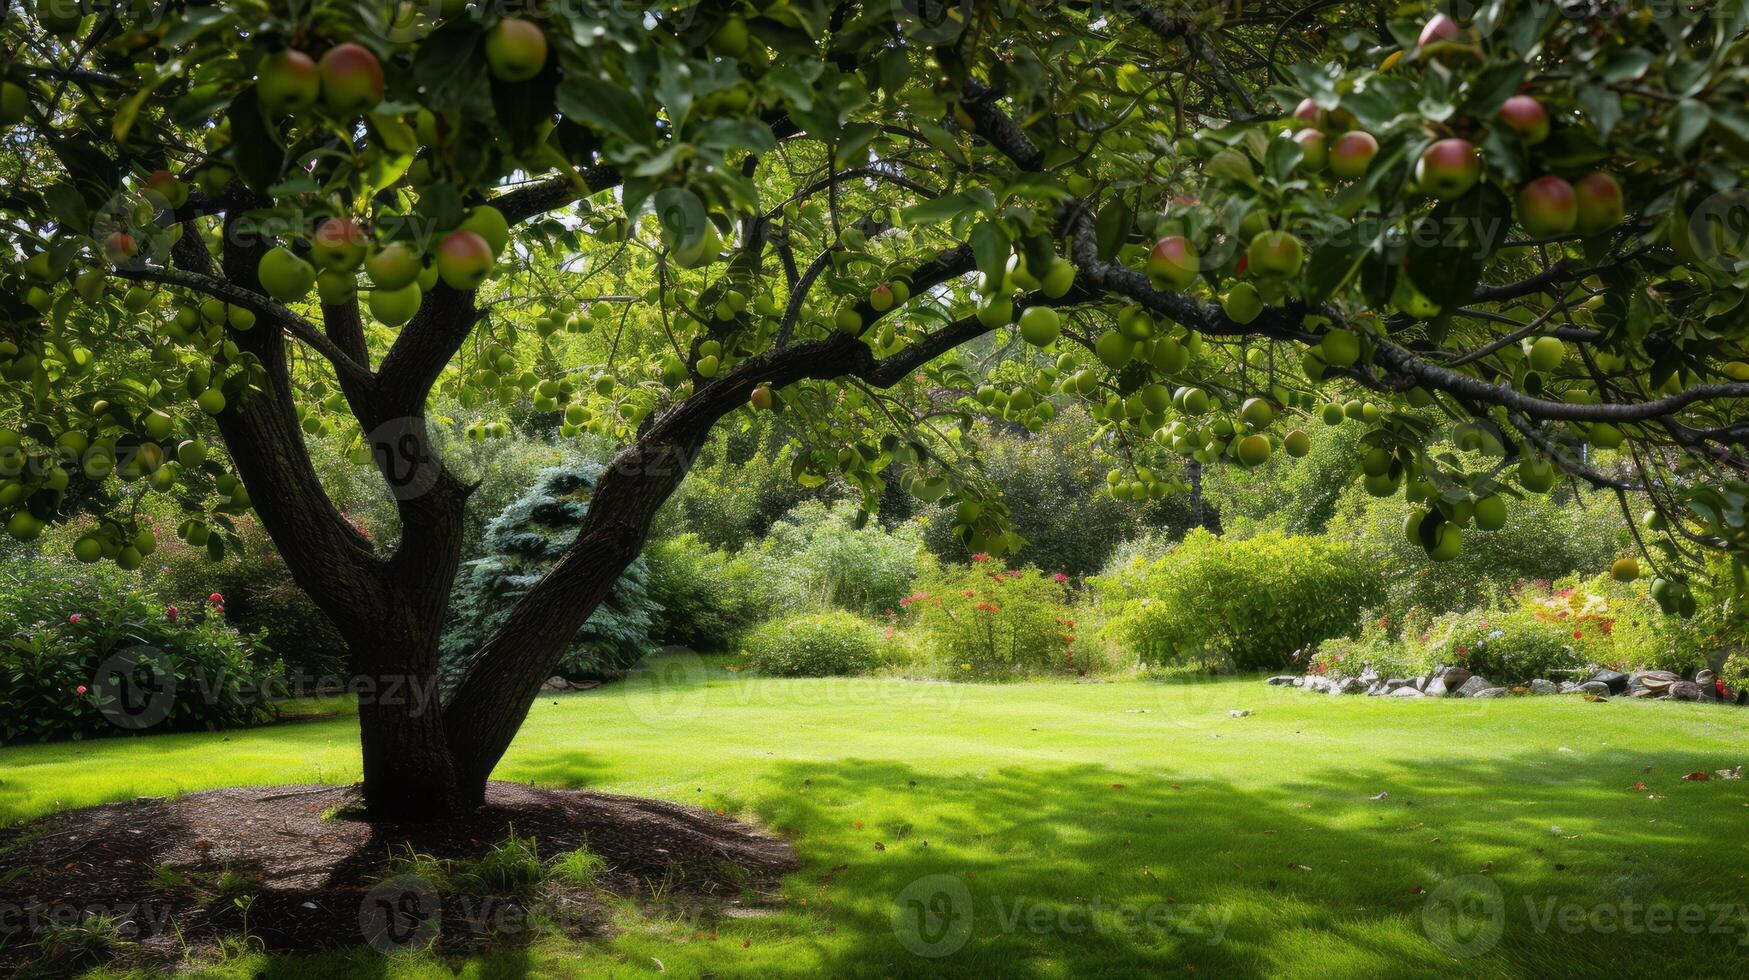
[1219, 229]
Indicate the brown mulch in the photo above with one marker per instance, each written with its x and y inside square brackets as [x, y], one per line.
[171, 872]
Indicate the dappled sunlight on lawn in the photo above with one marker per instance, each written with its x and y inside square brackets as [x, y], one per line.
[1061, 829]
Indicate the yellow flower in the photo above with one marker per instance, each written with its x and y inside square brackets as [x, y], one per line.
[965, 666]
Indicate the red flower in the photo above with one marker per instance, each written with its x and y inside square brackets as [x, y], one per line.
[171, 612]
[1059, 578]
[80, 690]
[1068, 638]
[889, 632]
[967, 593]
[215, 599]
[987, 607]
[980, 556]
[1577, 635]
[74, 619]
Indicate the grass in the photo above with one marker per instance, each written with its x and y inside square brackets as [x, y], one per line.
[1077, 830]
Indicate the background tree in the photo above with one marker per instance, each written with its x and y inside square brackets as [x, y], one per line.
[1523, 224]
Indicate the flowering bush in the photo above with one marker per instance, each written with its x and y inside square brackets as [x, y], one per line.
[985, 620]
[262, 598]
[68, 634]
[821, 644]
[1542, 630]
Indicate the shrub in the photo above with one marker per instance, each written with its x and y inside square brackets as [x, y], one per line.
[1249, 602]
[1053, 484]
[739, 487]
[989, 621]
[260, 597]
[1293, 496]
[839, 556]
[522, 544]
[61, 625]
[821, 644]
[1538, 631]
[708, 597]
[1735, 673]
[1544, 538]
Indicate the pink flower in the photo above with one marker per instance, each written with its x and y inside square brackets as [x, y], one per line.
[171, 612]
[74, 619]
[216, 599]
[967, 593]
[80, 690]
[980, 556]
[1059, 578]
[889, 632]
[1578, 635]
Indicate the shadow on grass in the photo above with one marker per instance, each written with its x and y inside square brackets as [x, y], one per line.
[1461, 867]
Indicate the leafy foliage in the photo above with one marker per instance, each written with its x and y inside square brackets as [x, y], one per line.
[837, 556]
[522, 543]
[260, 599]
[986, 621]
[707, 597]
[85, 651]
[816, 644]
[1250, 603]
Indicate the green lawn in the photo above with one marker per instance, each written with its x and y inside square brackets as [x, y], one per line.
[1101, 829]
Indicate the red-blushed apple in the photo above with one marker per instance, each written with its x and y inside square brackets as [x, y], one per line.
[1449, 168]
[163, 187]
[394, 265]
[1352, 154]
[1526, 117]
[120, 246]
[1440, 27]
[288, 81]
[1600, 203]
[1275, 253]
[761, 397]
[516, 50]
[338, 244]
[1315, 148]
[352, 79]
[880, 298]
[1306, 114]
[1547, 207]
[1174, 261]
[464, 259]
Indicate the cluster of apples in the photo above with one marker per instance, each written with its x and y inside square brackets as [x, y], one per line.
[399, 271]
[1549, 206]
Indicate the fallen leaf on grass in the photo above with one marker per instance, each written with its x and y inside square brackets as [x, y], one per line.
[1380, 796]
[1735, 772]
[1415, 890]
[1699, 776]
[1638, 784]
[1117, 786]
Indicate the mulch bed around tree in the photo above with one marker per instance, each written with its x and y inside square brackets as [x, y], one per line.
[171, 872]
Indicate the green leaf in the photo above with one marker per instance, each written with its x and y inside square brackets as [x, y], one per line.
[1451, 246]
[256, 152]
[592, 102]
[1687, 123]
[1112, 228]
[991, 249]
[1602, 106]
[935, 211]
[1230, 164]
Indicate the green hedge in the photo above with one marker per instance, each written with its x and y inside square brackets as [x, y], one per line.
[1246, 603]
[708, 597]
[821, 644]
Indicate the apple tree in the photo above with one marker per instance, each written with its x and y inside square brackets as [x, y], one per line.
[234, 227]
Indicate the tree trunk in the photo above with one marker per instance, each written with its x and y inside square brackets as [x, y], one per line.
[408, 772]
